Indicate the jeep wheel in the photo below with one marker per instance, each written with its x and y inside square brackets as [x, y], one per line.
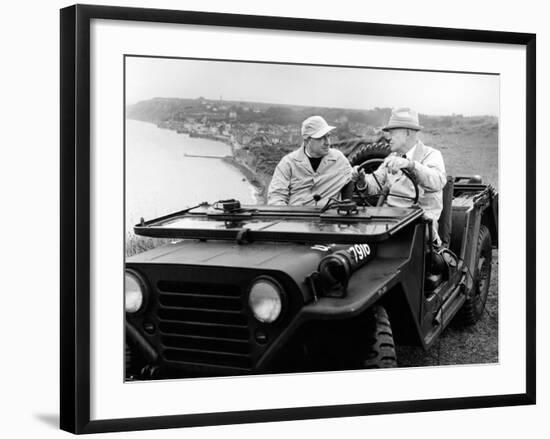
[473, 307]
[380, 348]
[133, 363]
[128, 362]
[365, 152]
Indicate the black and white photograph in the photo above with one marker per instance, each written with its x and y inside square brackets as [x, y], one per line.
[301, 218]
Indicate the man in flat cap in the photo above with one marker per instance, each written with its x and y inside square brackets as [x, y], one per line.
[314, 172]
[408, 152]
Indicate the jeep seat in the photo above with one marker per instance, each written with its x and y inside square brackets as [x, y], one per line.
[445, 219]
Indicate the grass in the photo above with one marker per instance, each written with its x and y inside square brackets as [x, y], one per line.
[138, 244]
[467, 152]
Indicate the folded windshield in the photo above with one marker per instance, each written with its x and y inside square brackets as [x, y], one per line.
[260, 223]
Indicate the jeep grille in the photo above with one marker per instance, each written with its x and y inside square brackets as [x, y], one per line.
[204, 325]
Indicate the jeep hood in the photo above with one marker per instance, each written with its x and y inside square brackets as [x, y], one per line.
[291, 258]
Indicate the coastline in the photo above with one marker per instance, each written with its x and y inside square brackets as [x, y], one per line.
[259, 183]
[258, 180]
[245, 184]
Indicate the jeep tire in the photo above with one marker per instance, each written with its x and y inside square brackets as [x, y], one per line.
[133, 362]
[379, 347]
[368, 151]
[473, 307]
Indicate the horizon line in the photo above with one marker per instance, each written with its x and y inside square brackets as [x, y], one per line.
[312, 106]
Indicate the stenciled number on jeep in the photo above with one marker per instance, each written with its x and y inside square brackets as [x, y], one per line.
[359, 252]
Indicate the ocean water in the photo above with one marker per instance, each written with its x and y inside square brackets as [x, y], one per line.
[160, 179]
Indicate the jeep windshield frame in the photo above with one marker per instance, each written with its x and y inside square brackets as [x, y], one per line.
[281, 224]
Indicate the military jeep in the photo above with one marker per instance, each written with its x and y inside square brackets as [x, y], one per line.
[267, 289]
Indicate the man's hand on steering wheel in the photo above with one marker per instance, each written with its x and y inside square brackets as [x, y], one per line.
[394, 164]
[358, 175]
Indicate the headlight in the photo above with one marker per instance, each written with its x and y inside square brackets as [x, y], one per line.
[133, 292]
[265, 300]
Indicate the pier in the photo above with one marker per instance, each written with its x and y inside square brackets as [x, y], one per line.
[204, 156]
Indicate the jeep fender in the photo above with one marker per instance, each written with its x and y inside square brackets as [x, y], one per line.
[398, 268]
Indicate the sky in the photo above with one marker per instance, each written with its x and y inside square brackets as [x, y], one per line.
[434, 93]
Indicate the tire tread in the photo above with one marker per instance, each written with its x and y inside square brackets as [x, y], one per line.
[380, 352]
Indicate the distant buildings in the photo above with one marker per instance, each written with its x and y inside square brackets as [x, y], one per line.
[242, 124]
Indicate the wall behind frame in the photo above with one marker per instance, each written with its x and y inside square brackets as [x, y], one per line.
[30, 183]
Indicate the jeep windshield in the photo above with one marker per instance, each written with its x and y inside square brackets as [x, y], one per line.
[342, 223]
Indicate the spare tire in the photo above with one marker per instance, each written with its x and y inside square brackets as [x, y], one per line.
[368, 156]
[364, 152]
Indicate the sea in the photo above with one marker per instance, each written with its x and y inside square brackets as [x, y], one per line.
[160, 178]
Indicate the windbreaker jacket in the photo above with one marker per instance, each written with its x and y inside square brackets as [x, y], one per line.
[295, 182]
[429, 170]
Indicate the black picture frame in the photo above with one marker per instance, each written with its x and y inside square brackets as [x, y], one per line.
[75, 217]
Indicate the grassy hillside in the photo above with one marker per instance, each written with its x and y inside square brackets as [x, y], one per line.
[468, 151]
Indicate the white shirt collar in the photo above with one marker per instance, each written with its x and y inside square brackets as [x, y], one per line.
[410, 153]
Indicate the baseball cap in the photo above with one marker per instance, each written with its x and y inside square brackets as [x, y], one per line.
[315, 127]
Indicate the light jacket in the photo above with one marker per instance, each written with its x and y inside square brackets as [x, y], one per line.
[429, 171]
[295, 182]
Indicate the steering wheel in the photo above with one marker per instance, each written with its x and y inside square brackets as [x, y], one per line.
[371, 165]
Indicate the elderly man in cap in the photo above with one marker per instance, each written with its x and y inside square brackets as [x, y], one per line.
[408, 152]
[314, 172]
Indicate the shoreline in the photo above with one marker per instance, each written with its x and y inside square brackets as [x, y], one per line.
[253, 178]
[258, 181]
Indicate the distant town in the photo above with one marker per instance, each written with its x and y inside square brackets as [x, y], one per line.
[249, 124]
